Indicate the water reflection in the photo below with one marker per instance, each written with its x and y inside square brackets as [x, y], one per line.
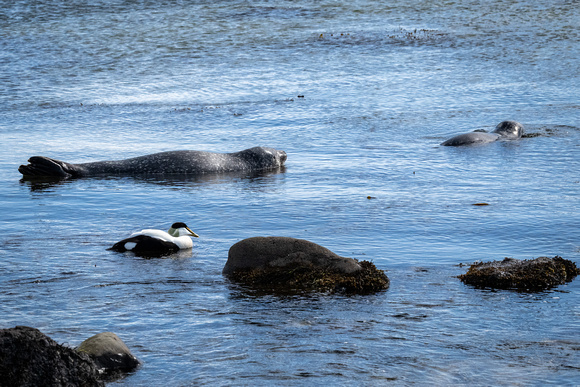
[39, 184]
[181, 254]
[42, 183]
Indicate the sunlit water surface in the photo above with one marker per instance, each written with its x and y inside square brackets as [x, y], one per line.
[359, 94]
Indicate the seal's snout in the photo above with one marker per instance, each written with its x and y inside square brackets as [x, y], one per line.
[509, 129]
[283, 157]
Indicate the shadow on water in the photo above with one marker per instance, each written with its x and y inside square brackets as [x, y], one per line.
[39, 184]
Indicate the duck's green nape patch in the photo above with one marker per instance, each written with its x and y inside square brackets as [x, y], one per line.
[524, 275]
[306, 277]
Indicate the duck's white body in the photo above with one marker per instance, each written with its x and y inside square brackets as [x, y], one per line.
[151, 242]
[182, 241]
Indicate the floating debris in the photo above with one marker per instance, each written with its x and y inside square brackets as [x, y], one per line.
[532, 135]
[394, 36]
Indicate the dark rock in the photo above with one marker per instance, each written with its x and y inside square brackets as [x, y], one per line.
[288, 265]
[30, 358]
[526, 275]
[109, 353]
[263, 252]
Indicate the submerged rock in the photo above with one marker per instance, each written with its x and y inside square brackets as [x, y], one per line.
[531, 275]
[288, 265]
[109, 353]
[30, 358]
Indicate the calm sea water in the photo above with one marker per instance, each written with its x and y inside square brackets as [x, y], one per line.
[359, 94]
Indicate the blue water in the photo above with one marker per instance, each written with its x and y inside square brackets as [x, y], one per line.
[381, 84]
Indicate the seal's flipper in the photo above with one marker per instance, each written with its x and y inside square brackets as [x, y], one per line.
[44, 166]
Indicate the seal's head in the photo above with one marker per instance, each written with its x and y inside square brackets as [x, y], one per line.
[509, 130]
[261, 157]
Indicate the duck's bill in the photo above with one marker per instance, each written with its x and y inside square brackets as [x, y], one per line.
[192, 233]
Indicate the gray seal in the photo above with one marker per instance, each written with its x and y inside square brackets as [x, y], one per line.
[506, 130]
[184, 162]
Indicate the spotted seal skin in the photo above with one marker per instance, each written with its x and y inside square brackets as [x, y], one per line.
[185, 162]
[506, 130]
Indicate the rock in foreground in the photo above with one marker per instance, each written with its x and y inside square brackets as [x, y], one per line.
[526, 275]
[30, 358]
[109, 353]
[289, 265]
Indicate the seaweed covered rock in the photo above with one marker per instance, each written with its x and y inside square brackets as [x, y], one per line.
[109, 353]
[30, 358]
[289, 265]
[526, 275]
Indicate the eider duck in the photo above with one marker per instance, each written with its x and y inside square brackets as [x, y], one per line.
[155, 243]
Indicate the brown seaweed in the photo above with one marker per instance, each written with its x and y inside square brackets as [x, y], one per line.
[524, 275]
[305, 277]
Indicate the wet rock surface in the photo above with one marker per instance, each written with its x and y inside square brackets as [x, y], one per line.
[264, 252]
[289, 265]
[30, 358]
[109, 353]
[524, 275]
